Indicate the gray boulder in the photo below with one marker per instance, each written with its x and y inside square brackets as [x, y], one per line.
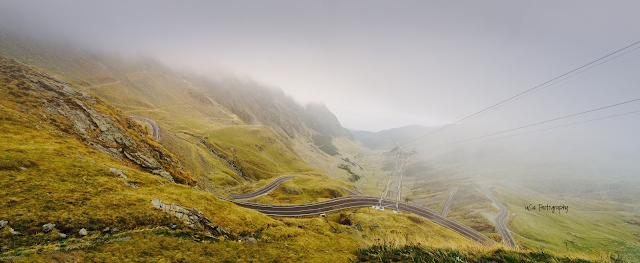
[62, 235]
[358, 227]
[218, 231]
[157, 203]
[3, 224]
[167, 176]
[374, 226]
[48, 227]
[82, 232]
[13, 232]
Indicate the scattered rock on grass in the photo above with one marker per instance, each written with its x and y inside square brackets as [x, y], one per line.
[13, 232]
[374, 226]
[219, 231]
[118, 172]
[193, 218]
[62, 235]
[48, 227]
[3, 224]
[4, 249]
[358, 227]
[167, 176]
[82, 232]
[290, 190]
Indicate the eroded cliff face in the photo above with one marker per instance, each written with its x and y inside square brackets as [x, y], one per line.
[76, 113]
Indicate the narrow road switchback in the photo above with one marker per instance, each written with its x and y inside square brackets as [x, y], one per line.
[447, 202]
[507, 239]
[155, 129]
[264, 190]
[322, 207]
[334, 204]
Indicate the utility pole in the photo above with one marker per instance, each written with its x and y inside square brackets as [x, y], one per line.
[394, 187]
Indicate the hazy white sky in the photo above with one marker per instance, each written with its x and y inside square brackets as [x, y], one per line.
[375, 64]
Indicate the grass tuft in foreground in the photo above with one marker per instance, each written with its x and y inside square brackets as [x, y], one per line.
[414, 253]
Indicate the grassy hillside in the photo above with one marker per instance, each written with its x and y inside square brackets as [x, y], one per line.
[191, 105]
[72, 157]
[54, 174]
[592, 230]
[420, 254]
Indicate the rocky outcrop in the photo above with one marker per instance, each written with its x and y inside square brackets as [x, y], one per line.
[48, 227]
[14, 232]
[120, 174]
[290, 190]
[163, 174]
[77, 113]
[193, 218]
[333, 192]
[108, 230]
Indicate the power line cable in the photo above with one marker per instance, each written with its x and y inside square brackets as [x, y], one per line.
[556, 127]
[521, 93]
[547, 121]
[568, 77]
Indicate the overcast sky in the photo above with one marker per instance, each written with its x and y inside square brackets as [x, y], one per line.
[375, 64]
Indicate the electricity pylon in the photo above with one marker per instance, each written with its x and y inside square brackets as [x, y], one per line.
[394, 187]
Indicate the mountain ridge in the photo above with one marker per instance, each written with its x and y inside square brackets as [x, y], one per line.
[385, 139]
[184, 104]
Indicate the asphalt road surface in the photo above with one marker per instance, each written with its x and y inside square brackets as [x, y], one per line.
[155, 129]
[362, 201]
[334, 167]
[264, 190]
[447, 202]
[507, 239]
[326, 206]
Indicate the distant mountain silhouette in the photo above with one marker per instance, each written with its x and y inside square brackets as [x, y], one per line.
[385, 140]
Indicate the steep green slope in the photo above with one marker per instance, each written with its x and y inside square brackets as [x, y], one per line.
[55, 170]
[77, 113]
[71, 159]
[191, 106]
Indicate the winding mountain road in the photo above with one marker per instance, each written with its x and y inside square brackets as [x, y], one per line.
[321, 207]
[155, 128]
[362, 201]
[447, 202]
[340, 203]
[334, 167]
[507, 239]
[351, 192]
[265, 189]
